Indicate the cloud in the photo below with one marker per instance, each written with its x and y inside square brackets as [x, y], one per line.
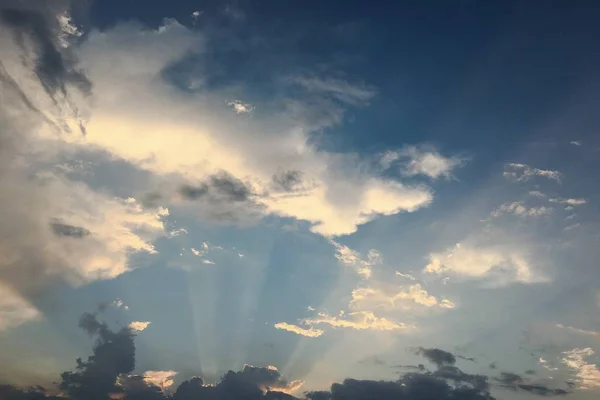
[369, 298]
[54, 69]
[114, 354]
[240, 108]
[310, 332]
[67, 230]
[421, 160]
[571, 227]
[537, 193]
[352, 258]
[14, 310]
[138, 326]
[575, 143]
[523, 173]
[519, 209]
[579, 331]
[407, 276]
[437, 356]
[338, 89]
[587, 375]
[359, 320]
[515, 382]
[570, 202]
[502, 263]
[287, 181]
[203, 140]
[162, 379]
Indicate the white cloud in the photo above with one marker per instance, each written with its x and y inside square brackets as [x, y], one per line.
[352, 258]
[518, 208]
[569, 202]
[359, 320]
[240, 108]
[209, 262]
[504, 264]
[571, 227]
[341, 90]
[405, 298]
[586, 375]
[138, 326]
[523, 173]
[537, 193]
[202, 138]
[579, 331]
[308, 332]
[413, 160]
[407, 276]
[575, 143]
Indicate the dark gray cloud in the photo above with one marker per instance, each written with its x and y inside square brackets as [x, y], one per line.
[287, 181]
[107, 373]
[113, 355]
[53, 68]
[66, 230]
[437, 356]
[515, 382]
[221, 186]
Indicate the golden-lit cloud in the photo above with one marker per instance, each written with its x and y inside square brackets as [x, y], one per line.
[308, 332]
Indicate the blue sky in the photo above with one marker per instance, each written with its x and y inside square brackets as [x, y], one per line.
[316, 187]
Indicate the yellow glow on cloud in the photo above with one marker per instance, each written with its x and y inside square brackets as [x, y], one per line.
[359, 320]
[310, 332]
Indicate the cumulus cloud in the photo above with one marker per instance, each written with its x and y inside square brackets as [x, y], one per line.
[138, 326]
[161, 379]
[521, 210]
[524, 173]
[239, 107]
[587, 375]
[203, 140]
[503, 264]
[308, 332]
[421, 160]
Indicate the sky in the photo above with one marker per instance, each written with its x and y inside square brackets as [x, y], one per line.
[324, 200]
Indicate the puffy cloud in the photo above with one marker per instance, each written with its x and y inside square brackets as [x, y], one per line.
[587, 375]
[370, 298]
[503, 263]
[239, 107]
[359, 320]
[310, 332]
[523, 173]
[162, 379]
[203, 140]
[138, 326]
[519, 209]
[415, 160]
[352, 258]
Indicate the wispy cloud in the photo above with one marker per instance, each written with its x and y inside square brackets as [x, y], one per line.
[421, 160]
[240, 108]
[308, 332]
[352, 258]
[523, 173]
[520, 209]
[359, 320]
[570, 202]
